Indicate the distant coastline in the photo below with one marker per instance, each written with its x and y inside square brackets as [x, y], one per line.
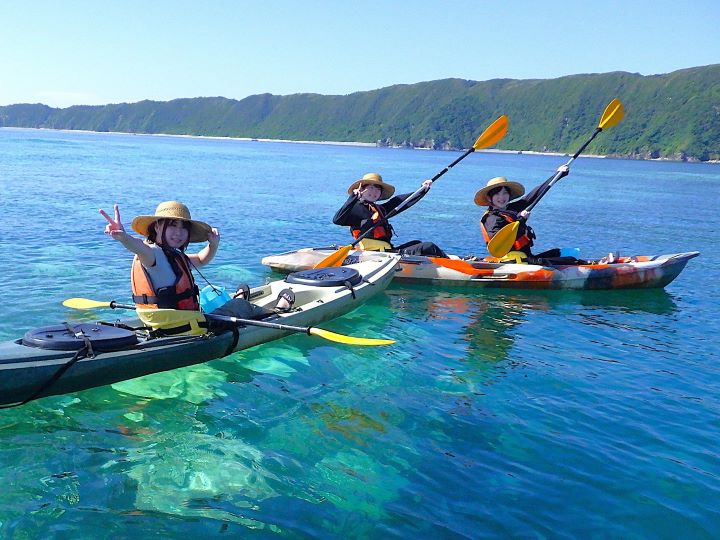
[327, 143]
[349, 143]
[671, 117]
[208, 137]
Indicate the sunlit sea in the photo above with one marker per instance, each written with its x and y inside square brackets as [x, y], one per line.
[496, 414]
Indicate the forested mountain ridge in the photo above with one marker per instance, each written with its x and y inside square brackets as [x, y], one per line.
[674, 115]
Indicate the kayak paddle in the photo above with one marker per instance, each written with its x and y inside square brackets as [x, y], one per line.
[489, 137]
[502, 242]
[461, 266]
[86, 303]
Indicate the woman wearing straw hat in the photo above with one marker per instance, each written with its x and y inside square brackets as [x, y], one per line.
[361, 212]
[505, 202]
[161, 275]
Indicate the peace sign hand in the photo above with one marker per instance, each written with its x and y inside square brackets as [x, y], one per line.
[114, 227]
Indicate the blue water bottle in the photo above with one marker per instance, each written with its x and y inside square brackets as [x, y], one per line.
[211, 298]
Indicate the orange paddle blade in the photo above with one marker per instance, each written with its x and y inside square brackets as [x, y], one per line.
[335, 259]
[460, 266]
[492, 134]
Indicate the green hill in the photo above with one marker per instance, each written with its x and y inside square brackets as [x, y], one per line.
[675, 115]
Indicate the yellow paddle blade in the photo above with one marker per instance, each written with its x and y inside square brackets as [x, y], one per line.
[84, 303]
[492, 134]
[503, 241]
[614, 112]
[335, 259]
[349, 340]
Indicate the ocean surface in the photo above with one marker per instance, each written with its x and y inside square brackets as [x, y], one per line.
[496, 414]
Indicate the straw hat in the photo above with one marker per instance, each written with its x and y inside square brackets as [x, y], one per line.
[376, 180]
[516, 190]
[172, 210]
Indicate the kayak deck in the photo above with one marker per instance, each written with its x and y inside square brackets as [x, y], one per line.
[628, 272]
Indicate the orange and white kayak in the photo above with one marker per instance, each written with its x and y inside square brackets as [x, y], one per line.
[625, 273]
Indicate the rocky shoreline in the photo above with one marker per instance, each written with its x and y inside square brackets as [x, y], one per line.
[429, 144]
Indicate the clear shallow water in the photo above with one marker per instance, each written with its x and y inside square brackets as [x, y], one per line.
[514, 414]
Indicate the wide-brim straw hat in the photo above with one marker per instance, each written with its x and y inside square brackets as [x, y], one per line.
[173, 210]
[516, 190]
[376, 180]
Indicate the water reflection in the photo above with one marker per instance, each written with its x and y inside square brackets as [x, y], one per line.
[488, 320]
[654, 301]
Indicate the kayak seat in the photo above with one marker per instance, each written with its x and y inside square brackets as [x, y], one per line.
[67, 337]
[326, 277]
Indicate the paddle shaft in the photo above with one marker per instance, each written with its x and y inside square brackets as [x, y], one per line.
[558, 175]
[248, 322]
[251, 322]
[117, 305]
[458, 160]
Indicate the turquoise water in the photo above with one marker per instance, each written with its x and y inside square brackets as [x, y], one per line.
[544, 415]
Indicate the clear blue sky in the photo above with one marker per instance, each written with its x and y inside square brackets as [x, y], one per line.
[102, 51]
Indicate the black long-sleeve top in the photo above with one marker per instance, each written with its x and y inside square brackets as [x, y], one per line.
[494, 220]
[357, 214]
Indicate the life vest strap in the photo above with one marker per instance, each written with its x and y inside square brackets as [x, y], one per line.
[383, 230]
[168, 299]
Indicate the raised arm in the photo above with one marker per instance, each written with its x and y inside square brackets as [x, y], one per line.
[116, 231]
[538, 192]
[398, 200]
[345, 216]
[206, 254]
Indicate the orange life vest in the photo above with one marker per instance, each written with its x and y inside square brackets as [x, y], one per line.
[182, 295]
[523, 240]
[381, 232]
